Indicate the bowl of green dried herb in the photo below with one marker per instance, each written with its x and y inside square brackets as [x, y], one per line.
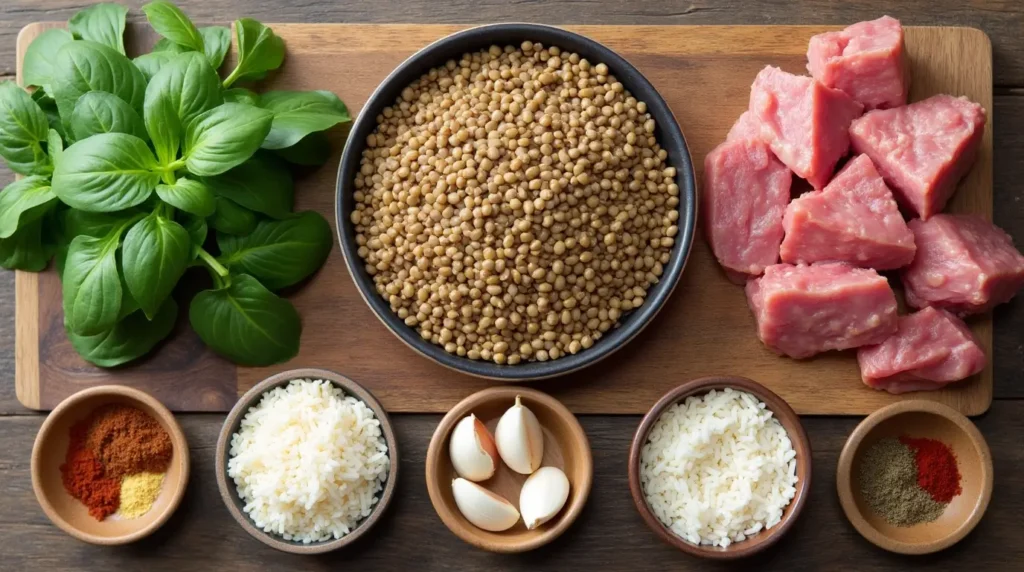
[915, 477]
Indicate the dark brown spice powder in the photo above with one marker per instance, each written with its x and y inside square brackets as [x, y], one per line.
[128, 441]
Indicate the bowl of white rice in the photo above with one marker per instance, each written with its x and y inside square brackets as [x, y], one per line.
[720, 467]
[307, 461]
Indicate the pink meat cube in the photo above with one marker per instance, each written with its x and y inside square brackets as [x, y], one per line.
[805, 123]
[930, 349]
[803, 310]
[964, 264]
[923, 149]
[854, 220]
[746, 127]
[866, 61]
[745, 192]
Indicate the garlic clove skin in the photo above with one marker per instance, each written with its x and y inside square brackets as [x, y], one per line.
[520, 439]
[473, 452]
[543, 495]
[483, 508]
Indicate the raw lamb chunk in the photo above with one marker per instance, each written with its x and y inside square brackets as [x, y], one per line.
[745, 192]
[964, 264]
[746, 127]
[805, 123]
[866, 61]
[803, 310]
[923, 149]
[930, 349]
[854, 220]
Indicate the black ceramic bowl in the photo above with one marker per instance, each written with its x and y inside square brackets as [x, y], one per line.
[670, 137]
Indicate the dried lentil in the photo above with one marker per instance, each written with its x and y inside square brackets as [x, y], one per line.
[516, 198]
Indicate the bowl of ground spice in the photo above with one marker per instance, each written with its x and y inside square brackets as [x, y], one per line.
[109, 465]
[915, 477]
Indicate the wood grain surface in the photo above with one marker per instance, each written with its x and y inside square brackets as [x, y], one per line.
[610, 534]
[704, 73]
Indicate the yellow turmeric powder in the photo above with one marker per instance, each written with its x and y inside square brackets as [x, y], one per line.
[139, 492]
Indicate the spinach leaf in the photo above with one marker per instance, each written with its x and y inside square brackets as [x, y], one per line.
[183, 88]
[188, 195]
[106, 172]
[24, 201]
[49, 107]
[24, 250]
[262, 184]
[197, 231]
[247, 323]
[170, 22]
[299, 113]
[163, 45]
[216, 41]
[100, 112]
[156, 253]
[23, 129]
[101, 23]
[37, 64]
[83, 66]
[92, 285]
[312, 150]
[129, 339]
[224, 137]
[242, 95]
[96, 225]
[150, 64]
[54, 146]
[231, 218]
[259, 50]
[279, 253]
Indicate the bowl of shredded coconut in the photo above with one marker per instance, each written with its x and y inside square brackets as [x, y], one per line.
[720, 467]
[307, 461]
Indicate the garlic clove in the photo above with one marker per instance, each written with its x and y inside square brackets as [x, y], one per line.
[543, 495]
[483, 508]
[472, 450]
[520, 439]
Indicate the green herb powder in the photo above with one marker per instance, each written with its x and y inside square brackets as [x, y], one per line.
[888, 481]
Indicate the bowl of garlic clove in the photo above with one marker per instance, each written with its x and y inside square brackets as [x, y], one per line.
[509, 469]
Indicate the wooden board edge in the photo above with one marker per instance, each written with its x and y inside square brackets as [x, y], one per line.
[26, 339]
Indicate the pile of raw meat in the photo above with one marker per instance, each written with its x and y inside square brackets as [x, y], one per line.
[826, 293]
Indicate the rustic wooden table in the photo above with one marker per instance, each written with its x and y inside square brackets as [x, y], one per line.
[609, 534]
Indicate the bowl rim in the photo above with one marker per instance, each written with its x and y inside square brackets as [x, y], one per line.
[670, 135]
[844, 479]
[437, 448]
[228, 492]
[779, 408]
[167, 420]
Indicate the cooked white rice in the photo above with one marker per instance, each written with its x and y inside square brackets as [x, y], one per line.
[308, 461]
[718, 468]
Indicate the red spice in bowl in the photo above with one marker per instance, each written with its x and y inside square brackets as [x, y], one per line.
[936, 468]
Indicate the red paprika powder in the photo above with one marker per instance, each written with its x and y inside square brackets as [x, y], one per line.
[937, 472]
[82, 474]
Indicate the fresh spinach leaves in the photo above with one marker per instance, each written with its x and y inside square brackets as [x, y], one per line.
[23, 129]
[246, 323]
[279, 253]
[170, 22]
[137, 169]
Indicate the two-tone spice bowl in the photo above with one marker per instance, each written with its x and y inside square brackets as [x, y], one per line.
[915, 477]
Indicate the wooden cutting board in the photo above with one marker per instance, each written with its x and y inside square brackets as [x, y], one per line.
[704, 72]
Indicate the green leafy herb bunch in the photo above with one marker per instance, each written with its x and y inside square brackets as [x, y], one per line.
[136, 169]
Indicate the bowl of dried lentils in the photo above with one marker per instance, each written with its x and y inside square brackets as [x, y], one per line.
[516, 202]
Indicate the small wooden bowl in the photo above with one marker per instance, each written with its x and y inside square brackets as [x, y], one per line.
[918, 418]
[565, 446]
[229, 494]
[790, 422]
[51, 447]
